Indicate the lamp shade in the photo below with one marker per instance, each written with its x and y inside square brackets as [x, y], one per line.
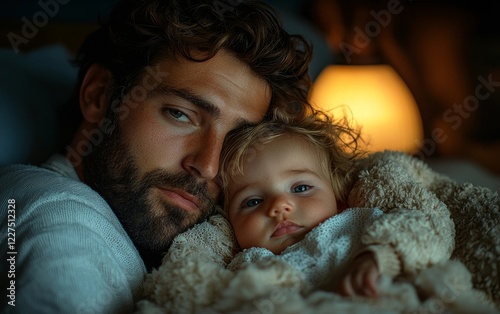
[378, 100]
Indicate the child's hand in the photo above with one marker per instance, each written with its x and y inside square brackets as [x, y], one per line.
[361, 277]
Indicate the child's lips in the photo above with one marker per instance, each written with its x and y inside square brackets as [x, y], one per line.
[285, 227]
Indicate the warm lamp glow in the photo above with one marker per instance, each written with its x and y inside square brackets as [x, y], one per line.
[379, 101]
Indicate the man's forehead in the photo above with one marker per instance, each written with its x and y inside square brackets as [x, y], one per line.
[224, 81]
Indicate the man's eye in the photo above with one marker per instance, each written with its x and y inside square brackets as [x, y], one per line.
[177, 115]
[301, 188]
[253, 202]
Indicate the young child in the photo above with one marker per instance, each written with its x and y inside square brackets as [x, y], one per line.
[281, 180]
[306, 213]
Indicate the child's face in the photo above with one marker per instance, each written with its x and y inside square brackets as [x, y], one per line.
[283, 194]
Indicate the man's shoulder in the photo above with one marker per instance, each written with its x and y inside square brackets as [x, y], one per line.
[55, 175]
[63, 227]
[46, 192]
[29, 179]
[63, 206]
[56, 167]
[21, 172]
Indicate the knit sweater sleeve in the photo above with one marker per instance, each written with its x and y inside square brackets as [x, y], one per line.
[415, 224]
[386, 257]
[73, 255]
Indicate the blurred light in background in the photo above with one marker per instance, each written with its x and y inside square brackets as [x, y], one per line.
[375, 98]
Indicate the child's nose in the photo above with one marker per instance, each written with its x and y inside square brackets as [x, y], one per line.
[280, 205]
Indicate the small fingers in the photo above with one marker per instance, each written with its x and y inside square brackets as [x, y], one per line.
[371, 282]
[361, 278]
[346, 288]
[361, 283]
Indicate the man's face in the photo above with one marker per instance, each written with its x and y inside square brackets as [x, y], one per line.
[158, 169]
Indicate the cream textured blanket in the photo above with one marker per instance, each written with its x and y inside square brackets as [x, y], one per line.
[323, 256]
[446, 236]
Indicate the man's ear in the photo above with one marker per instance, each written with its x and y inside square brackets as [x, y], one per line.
[93, 93]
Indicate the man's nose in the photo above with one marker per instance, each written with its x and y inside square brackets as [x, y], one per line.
[203, 160]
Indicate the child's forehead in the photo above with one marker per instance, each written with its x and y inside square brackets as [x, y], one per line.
[282, 149]
[272, 149]
[296, 144]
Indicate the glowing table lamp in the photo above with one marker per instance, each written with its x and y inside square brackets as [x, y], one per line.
[379, 101]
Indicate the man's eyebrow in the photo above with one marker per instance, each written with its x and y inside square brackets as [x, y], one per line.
[163, 90]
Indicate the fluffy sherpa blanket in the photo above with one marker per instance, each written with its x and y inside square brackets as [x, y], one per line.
[445, 234]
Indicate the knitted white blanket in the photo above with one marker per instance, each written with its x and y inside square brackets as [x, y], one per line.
[325, 252]
[444, 219]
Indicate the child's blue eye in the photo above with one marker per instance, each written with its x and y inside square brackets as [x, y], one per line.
[253, 202]
[301, 188]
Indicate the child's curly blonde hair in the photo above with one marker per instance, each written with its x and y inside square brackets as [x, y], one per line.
[336, 141]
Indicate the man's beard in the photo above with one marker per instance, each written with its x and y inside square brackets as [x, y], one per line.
[150, 220]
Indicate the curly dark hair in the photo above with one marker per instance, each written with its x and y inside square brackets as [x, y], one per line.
[140, 33]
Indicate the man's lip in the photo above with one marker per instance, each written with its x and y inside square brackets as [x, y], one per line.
[182, 199]
[285, 227]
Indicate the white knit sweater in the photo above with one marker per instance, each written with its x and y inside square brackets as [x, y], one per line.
[73, 256]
